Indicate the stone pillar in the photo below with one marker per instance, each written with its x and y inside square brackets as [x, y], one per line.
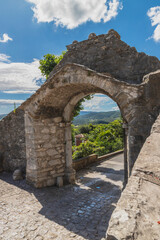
[45, 146]
[69, 171]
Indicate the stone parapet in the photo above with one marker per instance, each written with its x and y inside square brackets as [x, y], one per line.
[137, 213]
[93, 158]
[84, 162]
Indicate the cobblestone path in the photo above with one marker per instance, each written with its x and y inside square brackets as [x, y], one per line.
[81, 211]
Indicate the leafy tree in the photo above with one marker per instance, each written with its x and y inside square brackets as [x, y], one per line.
[84, 150]
[84, 129]
[49, 62]
[79, 107]
[46, 66]
[109, 136]
[101, 139]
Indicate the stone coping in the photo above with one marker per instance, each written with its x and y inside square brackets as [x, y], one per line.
[109, 155]
[93, 158]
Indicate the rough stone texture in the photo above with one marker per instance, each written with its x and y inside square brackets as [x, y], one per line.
[91, 36]
[102, 64]
[56, 99]
[59, 181]
[47, 144]
[12, 141]
[73, 212]
[84, 162]
[106, 53]
[93, 158]
[138, 211]
[45, 150]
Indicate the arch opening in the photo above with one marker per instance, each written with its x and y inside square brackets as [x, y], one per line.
[94, 141]
[48, 118]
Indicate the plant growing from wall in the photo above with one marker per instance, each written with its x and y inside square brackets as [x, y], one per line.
[47, 64]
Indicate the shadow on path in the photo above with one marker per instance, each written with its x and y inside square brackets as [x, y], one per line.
[84, 209]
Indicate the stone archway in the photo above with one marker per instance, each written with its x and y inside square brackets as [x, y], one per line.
[132, 80]
[48, 119]
[38, 136]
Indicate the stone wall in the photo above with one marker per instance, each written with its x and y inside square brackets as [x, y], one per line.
[137, 213]
[12, 141]
[109, 155]
[84, 162]
[106, 53]
[93, 158]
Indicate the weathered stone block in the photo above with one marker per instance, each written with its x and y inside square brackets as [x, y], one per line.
[60, 181]
[48, 145]
[53, 129]
[57, 119]
[62, 125]
[91, 36]
[52, 152]
[51, 182]
[54, 162]
[17, 175]
[45, 130]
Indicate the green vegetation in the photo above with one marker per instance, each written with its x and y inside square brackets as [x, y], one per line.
[96, 117]
[79, 107]
[47, 64]
[100, 139]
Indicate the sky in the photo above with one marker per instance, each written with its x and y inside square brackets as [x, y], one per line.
[29, 29]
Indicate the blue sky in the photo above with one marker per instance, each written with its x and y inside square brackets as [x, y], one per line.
[32, 28]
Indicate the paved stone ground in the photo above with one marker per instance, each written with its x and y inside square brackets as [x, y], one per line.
[75, 212]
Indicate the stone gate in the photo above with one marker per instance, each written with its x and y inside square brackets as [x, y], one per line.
[39, 133]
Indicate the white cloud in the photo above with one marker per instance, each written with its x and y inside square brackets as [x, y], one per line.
[72, 13]
[19, 76]
[115, 108]
[4, 58]
[20, 92]
[97, 103]
[154, 14]
[5, 38]
[10, 101]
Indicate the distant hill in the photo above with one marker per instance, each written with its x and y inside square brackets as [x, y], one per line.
[2, 116]
[86, 117]
[84, 112]
[96, 117]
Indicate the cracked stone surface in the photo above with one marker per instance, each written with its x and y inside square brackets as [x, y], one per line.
[81, 211]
